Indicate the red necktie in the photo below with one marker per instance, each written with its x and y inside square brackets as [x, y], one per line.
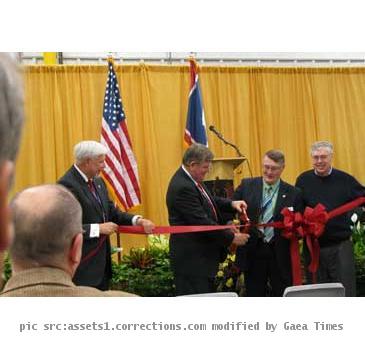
[92, 189]
[206, 196]
[90, 183]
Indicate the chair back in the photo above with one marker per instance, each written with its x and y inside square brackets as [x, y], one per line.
[316, 290]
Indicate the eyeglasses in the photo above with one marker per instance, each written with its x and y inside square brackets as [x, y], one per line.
[273, 168]
[321, 157]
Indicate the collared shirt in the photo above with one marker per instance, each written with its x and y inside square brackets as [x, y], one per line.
[187, 173]
[95, 228]
[203, 192]
[81, 173]
[329, 173]
[275, 190]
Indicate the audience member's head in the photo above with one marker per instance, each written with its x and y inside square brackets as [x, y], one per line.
[48, 229]
[11, 120]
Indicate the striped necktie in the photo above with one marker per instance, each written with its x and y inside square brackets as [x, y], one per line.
[206, 196]
[267, 212]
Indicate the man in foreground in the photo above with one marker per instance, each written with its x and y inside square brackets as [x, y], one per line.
[47, 247]
[11, 121]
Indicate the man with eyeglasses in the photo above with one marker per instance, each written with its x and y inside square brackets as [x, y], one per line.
[332, 188]
[265, 259]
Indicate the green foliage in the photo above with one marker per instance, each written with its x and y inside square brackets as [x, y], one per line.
[7, 268]
[145, 271]
[358, 239]
[229, 278]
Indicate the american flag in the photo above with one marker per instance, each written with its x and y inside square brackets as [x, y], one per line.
[121, 168]
[195, 122]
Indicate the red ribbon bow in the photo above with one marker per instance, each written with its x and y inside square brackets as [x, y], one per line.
[293, 230]
[310, 226]
[314, 222]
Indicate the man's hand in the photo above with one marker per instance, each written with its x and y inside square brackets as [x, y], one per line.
[148, 225]
[240, 238]
[239, 205]
[107, 228]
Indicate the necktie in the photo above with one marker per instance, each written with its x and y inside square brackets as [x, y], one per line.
[92, 189]
[267, 213]
[91, 185]
[206, 196]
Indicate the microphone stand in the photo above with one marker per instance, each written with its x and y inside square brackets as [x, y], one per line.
[232, 145]
[220, 136]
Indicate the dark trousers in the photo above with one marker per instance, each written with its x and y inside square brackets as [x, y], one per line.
[263, 277]
[336, 264]
[186, 284]
[104, 284]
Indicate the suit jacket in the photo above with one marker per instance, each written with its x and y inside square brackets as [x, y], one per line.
[92, 269]
[51, 282]
[250, 190]
[196, 254]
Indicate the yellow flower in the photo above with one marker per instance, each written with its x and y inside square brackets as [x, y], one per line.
[220, 274]
[229, 282]
[225, 264]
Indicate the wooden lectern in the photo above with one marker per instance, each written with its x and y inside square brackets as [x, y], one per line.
[225, 175]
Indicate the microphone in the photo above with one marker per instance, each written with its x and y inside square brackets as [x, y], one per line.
[213, 129]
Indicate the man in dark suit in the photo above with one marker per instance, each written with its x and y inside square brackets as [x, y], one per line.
[195, 256]
[100, 217]
[265, 260]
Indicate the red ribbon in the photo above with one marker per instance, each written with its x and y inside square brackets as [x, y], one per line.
[173, 229]
[314, 222]
[309, 226]
[293, 231]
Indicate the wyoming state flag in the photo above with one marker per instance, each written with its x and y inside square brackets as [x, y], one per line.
[195, 123]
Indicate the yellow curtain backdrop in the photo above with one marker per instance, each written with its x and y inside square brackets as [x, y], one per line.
[256, 108]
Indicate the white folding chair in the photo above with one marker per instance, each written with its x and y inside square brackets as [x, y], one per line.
[316, 290]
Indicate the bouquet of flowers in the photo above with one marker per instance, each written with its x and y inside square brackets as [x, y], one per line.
[229, 278]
